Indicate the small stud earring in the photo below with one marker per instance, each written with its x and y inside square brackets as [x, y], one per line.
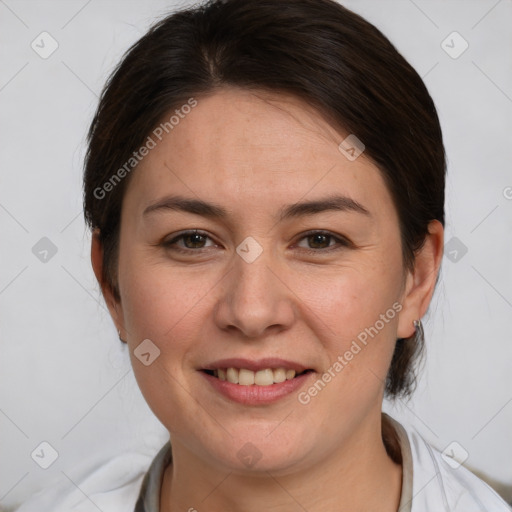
[120, 339]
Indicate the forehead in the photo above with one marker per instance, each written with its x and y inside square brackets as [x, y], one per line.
[243, 145]
[250, 130]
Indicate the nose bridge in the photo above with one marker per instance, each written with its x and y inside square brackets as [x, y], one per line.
[252, 279]
[255, 298]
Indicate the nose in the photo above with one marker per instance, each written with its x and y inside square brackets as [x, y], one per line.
[255, 298]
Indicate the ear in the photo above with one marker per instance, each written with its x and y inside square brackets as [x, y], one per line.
[113, 305]
[420, 283]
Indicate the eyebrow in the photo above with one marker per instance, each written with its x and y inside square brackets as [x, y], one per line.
[215, 211]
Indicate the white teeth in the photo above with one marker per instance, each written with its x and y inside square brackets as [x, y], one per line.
[264, 377]
[290, 374]
[232, 375]
[279, 375]
[245, 377]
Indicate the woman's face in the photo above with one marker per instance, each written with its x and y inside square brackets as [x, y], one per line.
[256, 283]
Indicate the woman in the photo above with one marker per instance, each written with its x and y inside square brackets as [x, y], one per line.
[265, 185]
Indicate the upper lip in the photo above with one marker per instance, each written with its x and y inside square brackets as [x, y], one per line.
[256, 364]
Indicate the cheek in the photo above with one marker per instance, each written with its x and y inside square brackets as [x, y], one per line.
[349, 299]
[355, 316]
[163, 305]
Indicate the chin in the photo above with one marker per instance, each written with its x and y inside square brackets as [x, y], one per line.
[261, 453]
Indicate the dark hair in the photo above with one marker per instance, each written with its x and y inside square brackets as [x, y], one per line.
[318, 51]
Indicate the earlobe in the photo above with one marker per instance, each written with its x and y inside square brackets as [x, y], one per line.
[420, 283]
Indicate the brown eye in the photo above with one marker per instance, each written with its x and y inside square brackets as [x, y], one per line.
[192, 240]
[320, 241]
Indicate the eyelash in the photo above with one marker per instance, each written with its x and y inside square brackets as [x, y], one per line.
[343, 242]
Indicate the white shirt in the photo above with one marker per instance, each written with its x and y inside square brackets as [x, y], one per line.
[429, 484]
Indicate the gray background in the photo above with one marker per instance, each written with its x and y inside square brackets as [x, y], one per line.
[65, 377]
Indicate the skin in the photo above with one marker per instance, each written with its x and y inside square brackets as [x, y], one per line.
[253, 153]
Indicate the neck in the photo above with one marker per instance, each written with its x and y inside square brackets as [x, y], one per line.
[358, 476]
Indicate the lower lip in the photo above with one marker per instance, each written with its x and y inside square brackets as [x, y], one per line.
[254, 394]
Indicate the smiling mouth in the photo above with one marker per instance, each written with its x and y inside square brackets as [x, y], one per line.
[245, 377]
